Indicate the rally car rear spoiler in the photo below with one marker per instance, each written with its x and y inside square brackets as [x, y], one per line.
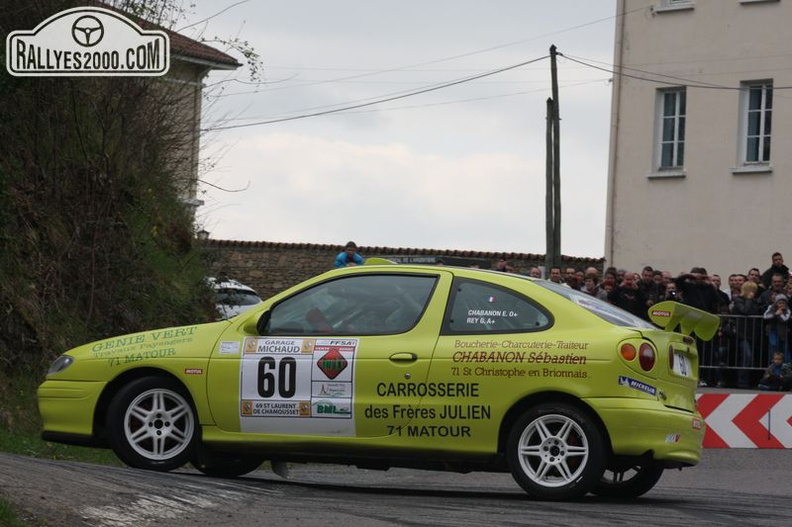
[670, 314]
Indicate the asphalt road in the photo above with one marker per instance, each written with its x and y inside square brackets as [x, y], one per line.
[730, 487]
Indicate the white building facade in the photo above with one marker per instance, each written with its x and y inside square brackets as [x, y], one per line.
[700, 164]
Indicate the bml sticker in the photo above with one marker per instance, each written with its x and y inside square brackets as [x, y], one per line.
[87, 41]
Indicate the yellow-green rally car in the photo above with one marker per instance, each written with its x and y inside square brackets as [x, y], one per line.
[396, 365]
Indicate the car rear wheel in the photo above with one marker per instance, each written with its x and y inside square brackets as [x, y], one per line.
[152, 424]
[556, 452]
[629, 482]
[224, 465]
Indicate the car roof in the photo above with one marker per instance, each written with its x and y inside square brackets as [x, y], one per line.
[373, 264]
[229, 283]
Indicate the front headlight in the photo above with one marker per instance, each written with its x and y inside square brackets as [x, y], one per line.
[60, 364]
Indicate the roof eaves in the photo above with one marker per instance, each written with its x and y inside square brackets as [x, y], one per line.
[204, 62]
[182, 47]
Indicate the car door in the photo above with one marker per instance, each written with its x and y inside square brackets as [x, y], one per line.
[488, 343]
[346, 357]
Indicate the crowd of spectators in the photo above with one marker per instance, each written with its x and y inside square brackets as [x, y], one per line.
[754, 308]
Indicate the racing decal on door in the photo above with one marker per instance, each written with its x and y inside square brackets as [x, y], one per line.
[294, 385]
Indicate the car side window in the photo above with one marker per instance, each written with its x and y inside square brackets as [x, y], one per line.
[354, 305]
[478, 307]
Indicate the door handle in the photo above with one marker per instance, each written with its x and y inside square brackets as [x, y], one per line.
[404, 357]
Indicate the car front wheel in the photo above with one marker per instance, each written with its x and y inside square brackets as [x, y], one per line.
[152, 424]
[556, 452]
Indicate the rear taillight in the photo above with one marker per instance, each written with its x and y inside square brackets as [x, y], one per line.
[646, 356]
[628, 352]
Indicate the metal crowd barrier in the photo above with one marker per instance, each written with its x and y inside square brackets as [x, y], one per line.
[738, 355]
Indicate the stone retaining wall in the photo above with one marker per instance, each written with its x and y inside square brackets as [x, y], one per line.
[271, 267]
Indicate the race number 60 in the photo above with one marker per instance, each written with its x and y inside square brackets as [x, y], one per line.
[280, 376]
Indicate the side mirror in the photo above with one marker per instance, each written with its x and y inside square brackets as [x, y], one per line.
[257, 326]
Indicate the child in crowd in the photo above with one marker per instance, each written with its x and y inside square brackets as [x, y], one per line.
[778, 315]
[778, 376]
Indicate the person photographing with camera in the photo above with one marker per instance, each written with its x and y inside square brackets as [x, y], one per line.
[671, 292]
[697, 290]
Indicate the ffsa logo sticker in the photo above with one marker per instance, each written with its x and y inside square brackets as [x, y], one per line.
[87, 41]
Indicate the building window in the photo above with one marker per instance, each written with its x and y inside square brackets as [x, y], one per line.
[757, 120]
[671, 129]
[673, 5]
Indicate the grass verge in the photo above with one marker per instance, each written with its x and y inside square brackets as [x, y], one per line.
[9, 516]
[20, 425]
[20, 433]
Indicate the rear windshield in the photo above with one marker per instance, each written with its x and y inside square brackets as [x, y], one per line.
[608, 312]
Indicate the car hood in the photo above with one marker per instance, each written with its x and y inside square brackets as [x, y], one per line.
[183, 342]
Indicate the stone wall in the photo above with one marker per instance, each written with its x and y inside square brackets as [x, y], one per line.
[270, 267]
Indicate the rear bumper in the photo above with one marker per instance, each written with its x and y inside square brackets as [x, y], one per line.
[636, 427]
[67, 408]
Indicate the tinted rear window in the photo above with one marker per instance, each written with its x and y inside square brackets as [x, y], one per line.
[608, 312]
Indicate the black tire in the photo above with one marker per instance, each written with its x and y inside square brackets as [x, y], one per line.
[152, 424]
[556, 452]
[630, 481]
[224, 465]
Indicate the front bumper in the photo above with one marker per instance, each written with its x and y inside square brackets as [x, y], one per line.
[67, 407]
[637, 426]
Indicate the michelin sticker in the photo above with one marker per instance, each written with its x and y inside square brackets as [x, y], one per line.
[637, 385]
[295, 385]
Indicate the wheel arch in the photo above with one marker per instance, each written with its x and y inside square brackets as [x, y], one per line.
[521, 406]
[112, 388]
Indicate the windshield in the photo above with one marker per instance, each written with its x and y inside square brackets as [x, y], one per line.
[609, 312]
[236, 297]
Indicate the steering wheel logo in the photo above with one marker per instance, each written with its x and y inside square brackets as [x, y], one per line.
[87, 31]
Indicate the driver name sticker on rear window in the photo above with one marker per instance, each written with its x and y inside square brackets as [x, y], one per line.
[296, 385]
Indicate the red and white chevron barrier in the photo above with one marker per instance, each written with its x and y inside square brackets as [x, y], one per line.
[747, 420]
